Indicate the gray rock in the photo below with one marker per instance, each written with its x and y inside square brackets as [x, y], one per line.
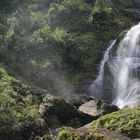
[78, 100]
[97, 108]
[64, 111]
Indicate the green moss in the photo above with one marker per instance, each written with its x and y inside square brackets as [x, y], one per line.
[126, 121]
[68, 135]
[96, 135]
[89, 134]
[19, 117]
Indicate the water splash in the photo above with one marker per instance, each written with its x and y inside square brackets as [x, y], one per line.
[125, 69]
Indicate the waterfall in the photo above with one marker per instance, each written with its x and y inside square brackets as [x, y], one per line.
[96, 87]
[124, 70]
[99, 79]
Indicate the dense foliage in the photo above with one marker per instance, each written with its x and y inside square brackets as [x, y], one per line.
[58, 38]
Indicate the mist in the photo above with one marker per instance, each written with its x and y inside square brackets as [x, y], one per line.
[33, 47]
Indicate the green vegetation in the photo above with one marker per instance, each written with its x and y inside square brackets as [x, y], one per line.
[18, 118]
[68, 135]
[22, 113]
[61, 36]
[126, 121]
[53, 44]
[91, 134]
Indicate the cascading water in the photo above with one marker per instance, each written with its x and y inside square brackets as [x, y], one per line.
[99, 79]
[98, 83]
[125, 69]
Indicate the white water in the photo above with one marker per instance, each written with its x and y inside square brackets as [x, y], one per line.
[99, 79]
[98, 83]
[125, 69]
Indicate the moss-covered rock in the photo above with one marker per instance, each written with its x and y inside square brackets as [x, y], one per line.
[126, 121]
[88, 133]
[108, 127]
[68, 135]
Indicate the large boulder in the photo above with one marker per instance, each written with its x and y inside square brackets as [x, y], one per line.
[97, 108]
[56, 108]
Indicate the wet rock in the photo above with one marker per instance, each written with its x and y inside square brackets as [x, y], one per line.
[97, 108]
